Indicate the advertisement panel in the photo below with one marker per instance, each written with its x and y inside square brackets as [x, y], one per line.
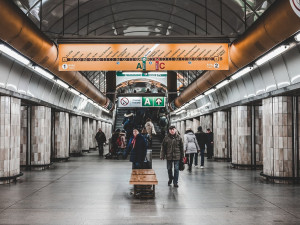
[160, 77]
[143, 57]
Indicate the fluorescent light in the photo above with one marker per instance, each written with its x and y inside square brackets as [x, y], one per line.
[90, 101]
[160, 73]
[134, 73]
[61, 83]
[43, 72]
[183, 111]
[242, 72]
[210, 91]
[272, 54]
[222, 84]
[199, 97]
[297, 37]
[74, 91]
[14, 54]
[191, 102]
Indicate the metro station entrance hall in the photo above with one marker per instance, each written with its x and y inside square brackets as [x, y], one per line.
[149, 112]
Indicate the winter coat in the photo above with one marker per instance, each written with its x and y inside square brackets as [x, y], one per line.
[210, 138]
[150, 128]
[100, 137]
[138, 153]
[172, 147]
[202, 139]
[190, 143]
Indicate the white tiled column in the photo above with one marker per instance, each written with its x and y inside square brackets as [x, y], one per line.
[10, 125]
[196, 124]
[182, 128]
[61, 137]
[241, 135]
[178, 126]
[85, 134]
[189, 124]
[24, 136]
[258, 135]
[278, 137]
[75, 135]
[206, 121]
[220, 135]
[40, 135]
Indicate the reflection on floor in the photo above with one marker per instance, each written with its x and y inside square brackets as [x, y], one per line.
[92, 190]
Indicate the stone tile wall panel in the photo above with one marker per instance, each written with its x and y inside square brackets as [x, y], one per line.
[258, 135]
[182, 129]
[40, 135]
[189, 124]
[75, 134]
[23, 136]
[206, 121]
[85, 134]
[220, 134]
[61, 139]
[196, 124]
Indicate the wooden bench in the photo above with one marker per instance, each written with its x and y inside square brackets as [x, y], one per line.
[143, 181]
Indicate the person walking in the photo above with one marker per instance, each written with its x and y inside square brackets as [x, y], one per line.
[202, 141]
[101, 139]
[137, 148]
[172, 150]
[191, 147]
[150, 130]
[210, 143]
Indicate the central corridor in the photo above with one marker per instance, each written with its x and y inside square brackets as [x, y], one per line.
[92, 190]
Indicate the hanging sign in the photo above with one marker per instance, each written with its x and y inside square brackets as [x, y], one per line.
[134, 102]
[143, 57]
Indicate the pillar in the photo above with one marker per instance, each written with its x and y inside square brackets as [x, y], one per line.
[92, 133]
[182, 128]
[61, 136]
[172, 85]
[278, 130]
[220, 135]
[178, 126]
[258, 136]
[111, 85]
[75, 135]
[206, 121]
[85, 134]
[10, 125]
[104, 130]
[196, 124]
[24, 136]
[241, 136]
[40, 136]
[189, 124]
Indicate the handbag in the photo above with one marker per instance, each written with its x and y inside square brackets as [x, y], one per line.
[185, 160]
[146, 164]
[181, 165]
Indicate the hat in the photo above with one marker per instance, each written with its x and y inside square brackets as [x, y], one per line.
[171, 127]
[199, 128]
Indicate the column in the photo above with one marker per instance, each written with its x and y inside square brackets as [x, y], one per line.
[241, 144]
[10, 125]
[40, 136]
[85, 134]
[104, 130]
[206, 121]
[24, 136]
[61, 136]
[189, 124]
[182, 129]
[220, 135]
[91, 134]
[178, 126]
[278, 138]
[196, 124]
[75, 135]
[258, 136]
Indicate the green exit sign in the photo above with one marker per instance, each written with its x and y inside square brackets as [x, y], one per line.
[153, 101]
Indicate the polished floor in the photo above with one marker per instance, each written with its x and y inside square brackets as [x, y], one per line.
[92, 190]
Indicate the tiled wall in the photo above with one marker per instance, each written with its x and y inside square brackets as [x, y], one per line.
[206, 122]
[61, 136]
[220, 134]
[75, 134]
[182, 129]
[258, 135]
[178, 126]
[188, 124]
[91, 134]
[85, 134]
[24, 136]
[40, 135]
[241, 135]
[277, 136]
[10, 125]
[196, 124]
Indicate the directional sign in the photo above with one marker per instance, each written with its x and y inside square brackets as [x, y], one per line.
[134, 102]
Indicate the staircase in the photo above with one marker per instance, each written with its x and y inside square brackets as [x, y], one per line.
[119, 118]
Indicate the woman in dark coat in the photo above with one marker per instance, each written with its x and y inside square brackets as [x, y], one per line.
[138, 149]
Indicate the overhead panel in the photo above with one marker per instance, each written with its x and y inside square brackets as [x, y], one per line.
[143, 57]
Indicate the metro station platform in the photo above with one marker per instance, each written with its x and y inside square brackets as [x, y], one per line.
[91, 190]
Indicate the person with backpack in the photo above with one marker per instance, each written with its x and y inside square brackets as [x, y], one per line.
[191, 146]
[150, 130]
[202, 141]
[101, 139]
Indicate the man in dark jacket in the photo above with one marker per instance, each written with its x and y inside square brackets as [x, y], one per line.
[172, 150]
[101, 139]
[210, 143]
[202, 141]
[138, 149]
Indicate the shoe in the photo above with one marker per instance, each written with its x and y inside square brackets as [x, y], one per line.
[196, 166]
[176, 185]
[170, 182]
[202, 167]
